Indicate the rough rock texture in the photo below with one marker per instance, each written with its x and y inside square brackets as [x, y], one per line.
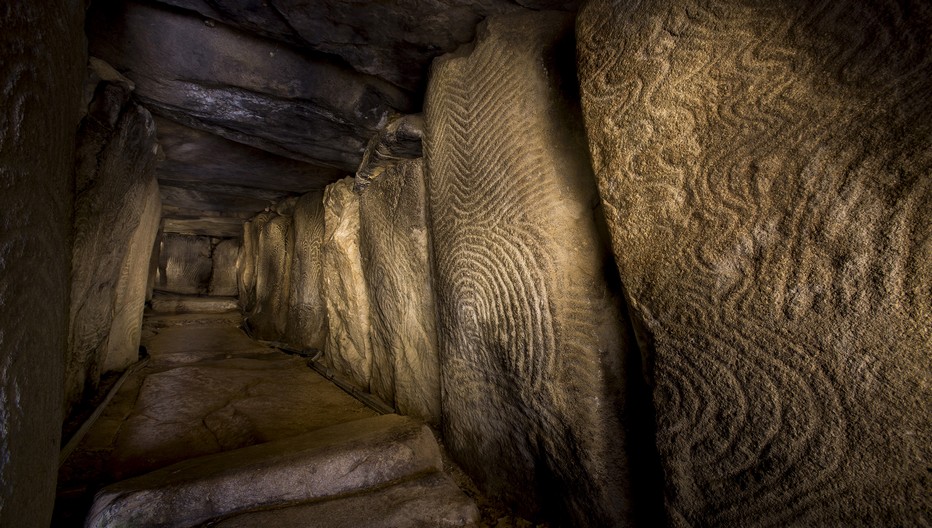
[393, 40]
[223, 276]
[40, 88]
[344, 285]
[432, 501]
[269, 317]
[246, 263]
[396, 265]
[327, 462]
[532, 343]
[123, 341]
[307, 314]
[243, 87]
[185, 264]
[400, 139]
[766, 175]
[114, 181]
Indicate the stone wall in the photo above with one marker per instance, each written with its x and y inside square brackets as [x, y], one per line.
[347, 302]
[766, 176]
[197, 265]
[396, 266]
[307, 316]
[223, 268]
[114, 210]
[42, 46]
[532, 345]
[269, 317]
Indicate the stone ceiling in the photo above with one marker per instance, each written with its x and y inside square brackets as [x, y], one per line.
[258, 100]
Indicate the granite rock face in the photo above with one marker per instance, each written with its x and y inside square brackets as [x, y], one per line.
[344, 285]
[307, 314]
[243, 87]
[223, 266]
[396, 266]
[114, 183]
[40, 85]
[766, 177]
[532, 346]
[269, 317]
[185, 264]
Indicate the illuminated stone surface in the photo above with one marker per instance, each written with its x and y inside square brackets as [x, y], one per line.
[531, 342]
[223, 266]
[114, 184]
[40, 85]
[396, 266]
[766, 177]
[307, 315]
[269, 317]
[344, 285]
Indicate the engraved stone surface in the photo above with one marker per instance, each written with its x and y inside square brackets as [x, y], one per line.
[125, 331]
[532, 345]
[307, 315]
[223, 265]
[766, 176]
[344, 286]
[269, 316]
[42, 45]
[114, 178]
[396, 265]
[246, 263]
[184, 264]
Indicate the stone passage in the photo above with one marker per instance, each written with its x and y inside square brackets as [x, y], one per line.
[396, 264]
[531, 339]
[766, 177]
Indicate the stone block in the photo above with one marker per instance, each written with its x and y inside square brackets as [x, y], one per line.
[185, 265]
[269, 318]
[532, 342]
[765, 171]
[223, 265]
[307, 314]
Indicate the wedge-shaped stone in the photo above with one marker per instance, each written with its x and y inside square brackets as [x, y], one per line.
[432, 500]
[338, 460]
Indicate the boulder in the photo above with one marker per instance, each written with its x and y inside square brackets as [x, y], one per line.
[344, 286]
[765, 173]
[396, 265]
[532, 343]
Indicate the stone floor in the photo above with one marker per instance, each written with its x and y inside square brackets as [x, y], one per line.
[206, 406]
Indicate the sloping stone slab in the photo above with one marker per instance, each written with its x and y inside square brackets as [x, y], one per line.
[432, 500]
[337, 460]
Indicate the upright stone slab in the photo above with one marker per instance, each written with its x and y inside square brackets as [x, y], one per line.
[766, 174]
[126, 329]
[344, 286]
[531, 340]
[223, 266]
[396, 265]
[307, 315]
[246, 264]
[115, 166]
[42, 45]
[268, 318]
[185, 265]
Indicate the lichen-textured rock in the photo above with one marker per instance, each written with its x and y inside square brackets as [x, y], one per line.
[42, 46]
[125, 331]
[269, 317]
[766, 176]
[344, 285]
[307, 315]
[115, 167]
[396, 265]
[243, 87]
[223, 266]
[531, 339]
[184, 264]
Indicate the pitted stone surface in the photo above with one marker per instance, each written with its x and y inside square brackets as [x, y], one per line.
[766, 178]
[532, 346]
[396, 265]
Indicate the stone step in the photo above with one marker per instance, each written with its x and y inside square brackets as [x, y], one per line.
[338, 460]
[184, 304]
[432, 500]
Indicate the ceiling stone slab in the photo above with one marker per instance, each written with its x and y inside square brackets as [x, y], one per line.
[197, 156]
[246, 88]
[211, 201]
[215, 227]
[392, 40]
